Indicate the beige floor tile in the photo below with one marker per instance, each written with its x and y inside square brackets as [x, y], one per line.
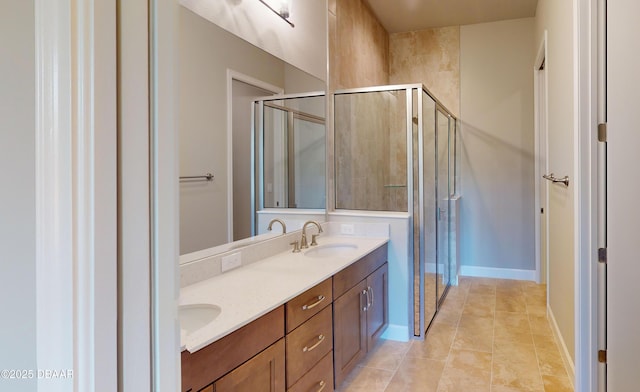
[510, 321]
[515, 374]
[455, 302]
[490, 335]
[535, 298]
[484, 282]
[515, 352]
[545, 342]
[470, 338]
[473, 321]
[510, 302]
[470, 360]
[436, 345]
[512, 328]
[540, 325]
[504, 388]
[510, 337]
[516, 366]
[458, 291]
[538, 310]
[366, 379]
[387, 355]
[480, 305]
[502, 284]
[461, 381]
[464, 282]
[449, 315]
[481, 289]
[416, 375]
[557, 384]
[550, 362]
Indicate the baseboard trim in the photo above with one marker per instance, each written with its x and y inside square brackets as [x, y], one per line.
[498, 273]
[564, 352]
[396, 332]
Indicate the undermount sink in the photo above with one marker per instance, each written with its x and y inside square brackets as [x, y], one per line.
[331, 250]
[195, 316]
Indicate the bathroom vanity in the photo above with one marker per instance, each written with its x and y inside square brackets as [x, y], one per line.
[331, 307]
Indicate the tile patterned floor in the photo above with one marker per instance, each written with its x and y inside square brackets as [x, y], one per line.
[491, 335]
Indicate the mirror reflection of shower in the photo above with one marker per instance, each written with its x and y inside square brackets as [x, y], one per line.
[290, 151]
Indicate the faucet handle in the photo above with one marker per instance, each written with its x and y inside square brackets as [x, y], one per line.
[296, 247]
[313, 239]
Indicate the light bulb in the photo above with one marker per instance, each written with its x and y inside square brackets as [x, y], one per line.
[285, 8]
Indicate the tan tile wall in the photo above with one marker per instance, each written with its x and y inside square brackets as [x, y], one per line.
[362, 54]
[431, 57]
[358, 46]
[370, 156]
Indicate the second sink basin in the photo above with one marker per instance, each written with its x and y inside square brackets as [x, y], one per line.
[331, 250]
[195, 316]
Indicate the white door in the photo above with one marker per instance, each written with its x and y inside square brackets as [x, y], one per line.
[623, 195]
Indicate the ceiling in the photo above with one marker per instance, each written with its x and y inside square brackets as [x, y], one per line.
[410, 15]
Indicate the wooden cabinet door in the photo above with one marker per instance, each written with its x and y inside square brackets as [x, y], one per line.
[378, 310]
[349, 330]
[263, 373]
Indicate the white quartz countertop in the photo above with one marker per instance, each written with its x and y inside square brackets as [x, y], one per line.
[246, 293]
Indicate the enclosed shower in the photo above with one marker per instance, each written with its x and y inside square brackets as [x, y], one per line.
[395, 151]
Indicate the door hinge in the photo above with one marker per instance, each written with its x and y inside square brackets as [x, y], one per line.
[602, 356]
[602, 132]
[602, 255]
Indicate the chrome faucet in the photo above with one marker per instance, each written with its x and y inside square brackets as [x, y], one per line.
[284, 227]
[303, 240]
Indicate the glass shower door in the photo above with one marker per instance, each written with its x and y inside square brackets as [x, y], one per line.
[429, 207]
[442, 202]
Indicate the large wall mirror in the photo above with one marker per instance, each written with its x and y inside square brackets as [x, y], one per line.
[219, 78]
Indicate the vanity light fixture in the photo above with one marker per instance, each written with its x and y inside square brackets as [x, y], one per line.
[282, 8]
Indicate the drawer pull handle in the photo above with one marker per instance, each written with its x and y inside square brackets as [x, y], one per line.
[321, 384]
[320, 340]
[313, 305]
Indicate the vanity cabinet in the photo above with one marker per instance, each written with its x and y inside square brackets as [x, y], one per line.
[360, 310]
[304, 345]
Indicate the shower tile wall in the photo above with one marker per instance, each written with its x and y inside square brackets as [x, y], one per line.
[358, 46]
[371, 151]
[431, 57]
[362, 54]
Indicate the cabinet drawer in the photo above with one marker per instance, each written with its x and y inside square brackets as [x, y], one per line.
[319, 378]
[262, 373]
[308, 304]
[353, 274]
[309, 343]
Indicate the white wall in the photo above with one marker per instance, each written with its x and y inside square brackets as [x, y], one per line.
[17, 193]
[304, 46]
[557, 18]
[497, 173]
